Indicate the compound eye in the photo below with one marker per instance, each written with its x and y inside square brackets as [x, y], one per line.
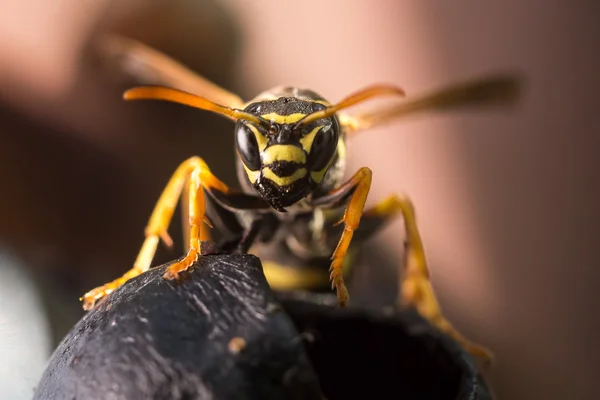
[323, 148]
[247, 147]
[317, 107]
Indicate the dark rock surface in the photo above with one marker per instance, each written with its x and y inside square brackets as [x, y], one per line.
[222, 334]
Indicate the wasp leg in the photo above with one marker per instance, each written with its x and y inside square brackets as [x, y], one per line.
[358, 187]
[199, 175]
[200, 179]
[205, 234]
[416, 289]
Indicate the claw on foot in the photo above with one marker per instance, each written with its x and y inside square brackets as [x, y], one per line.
[172, 273]
[337, 282]
[418, 293]
[483, 353]
[474, 349]
[91, 298]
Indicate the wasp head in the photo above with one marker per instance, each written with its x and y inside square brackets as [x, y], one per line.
[284, 158]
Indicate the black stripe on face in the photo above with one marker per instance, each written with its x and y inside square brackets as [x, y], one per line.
[284, 168]
[281, 197]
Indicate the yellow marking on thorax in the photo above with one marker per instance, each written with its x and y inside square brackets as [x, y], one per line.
[283, 180]
[349, 123]
[308, 139]
[261, 140]
[283, 152]
[341, 148]
[283, 119]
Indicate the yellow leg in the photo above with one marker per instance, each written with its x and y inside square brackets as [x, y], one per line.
[205, 234]
[416, 289]
[200, 177]
[197, 207]
[361, 183]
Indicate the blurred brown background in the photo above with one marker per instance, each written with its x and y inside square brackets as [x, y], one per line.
[507, 200]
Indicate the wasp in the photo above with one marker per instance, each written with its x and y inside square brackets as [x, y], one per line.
[291, 147]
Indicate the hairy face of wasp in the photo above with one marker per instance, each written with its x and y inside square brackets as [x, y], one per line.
[286, 159]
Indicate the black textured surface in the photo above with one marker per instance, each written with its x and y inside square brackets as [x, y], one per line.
[159, 339]
[366, 353]
[155, 339]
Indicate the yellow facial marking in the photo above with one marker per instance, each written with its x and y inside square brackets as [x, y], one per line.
[261, 140]
[252, 175]
[285, 180]
[283, 119]
[307, 140]
[283, 152]
[317, 176]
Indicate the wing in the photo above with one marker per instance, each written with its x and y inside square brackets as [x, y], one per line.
[153, 67]
[495, 90]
